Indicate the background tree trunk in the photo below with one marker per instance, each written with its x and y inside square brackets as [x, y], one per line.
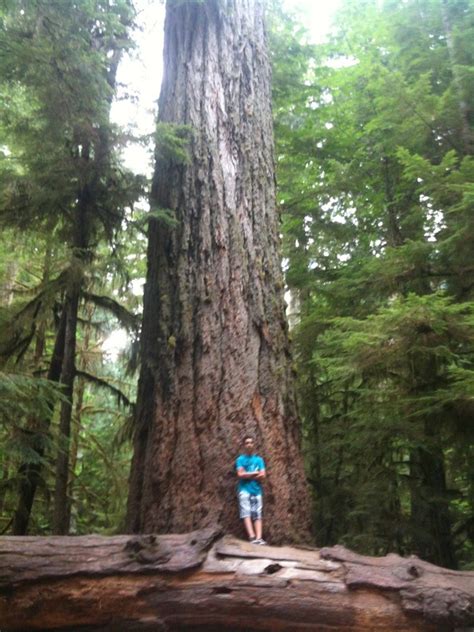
[465, 108]
[29, 473]
[216, 362]
[36, 429]
[79, 392]
[196, 581]
[68, 372]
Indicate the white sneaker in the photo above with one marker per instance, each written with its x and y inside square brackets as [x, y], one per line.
[259, 541]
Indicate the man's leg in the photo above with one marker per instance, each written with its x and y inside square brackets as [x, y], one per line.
[258, 529]
[249, 528]
[245, 514]
[256, 513]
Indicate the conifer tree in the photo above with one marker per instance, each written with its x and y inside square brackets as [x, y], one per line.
[61, 176]
[215, 350]
[371, 230]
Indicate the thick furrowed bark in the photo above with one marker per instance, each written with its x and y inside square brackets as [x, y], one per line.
[216, 361]
[198, 581]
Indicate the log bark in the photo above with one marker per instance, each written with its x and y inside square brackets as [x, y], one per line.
[215, 352]
[202, 581]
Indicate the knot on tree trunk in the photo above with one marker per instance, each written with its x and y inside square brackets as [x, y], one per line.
[166, 554]
[146, 550]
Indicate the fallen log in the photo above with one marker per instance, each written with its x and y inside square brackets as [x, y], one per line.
[201, 581]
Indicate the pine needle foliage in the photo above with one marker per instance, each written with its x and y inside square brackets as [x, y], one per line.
[374, 157]
[62, 183]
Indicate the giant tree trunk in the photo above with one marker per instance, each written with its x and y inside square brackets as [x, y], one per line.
[196, 581]
[215, 346]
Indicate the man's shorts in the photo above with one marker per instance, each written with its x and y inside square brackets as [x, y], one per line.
[250, 506]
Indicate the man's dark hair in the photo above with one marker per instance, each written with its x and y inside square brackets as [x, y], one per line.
[248, 436]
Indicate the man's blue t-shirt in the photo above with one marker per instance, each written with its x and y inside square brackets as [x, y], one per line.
[250, 463]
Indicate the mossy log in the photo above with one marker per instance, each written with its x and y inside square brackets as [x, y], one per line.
[202, 581]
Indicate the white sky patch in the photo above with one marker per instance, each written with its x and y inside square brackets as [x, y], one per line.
[376, 245]
[315, 15]
[115, 343]
[139, 77]
[434, 220]
[338, 219]
[326, 97]
[137, 286]
[342, 62]
[343, 257]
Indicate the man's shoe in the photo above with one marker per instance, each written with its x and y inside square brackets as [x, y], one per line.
[254, 541]
[259, 541]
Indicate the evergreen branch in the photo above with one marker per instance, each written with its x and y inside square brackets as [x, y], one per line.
[23, 394]
[98, 381]
[9, 524]
[24, 344]
[126, 318]
[171, 142]
[18, 342]
[90, 440]
[51, 288]
[96, 325]
[124, 433]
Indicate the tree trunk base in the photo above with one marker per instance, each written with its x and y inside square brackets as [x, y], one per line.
[201, 581]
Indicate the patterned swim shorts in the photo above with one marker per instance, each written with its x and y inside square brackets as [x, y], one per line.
[250, 506]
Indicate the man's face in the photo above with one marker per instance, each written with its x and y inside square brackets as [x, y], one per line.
[248, 446]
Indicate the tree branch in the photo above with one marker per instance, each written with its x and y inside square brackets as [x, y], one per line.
[98, 381]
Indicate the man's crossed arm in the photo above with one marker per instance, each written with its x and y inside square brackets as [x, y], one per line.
[241, 473]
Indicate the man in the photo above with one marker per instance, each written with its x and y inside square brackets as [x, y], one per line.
[250, 471]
